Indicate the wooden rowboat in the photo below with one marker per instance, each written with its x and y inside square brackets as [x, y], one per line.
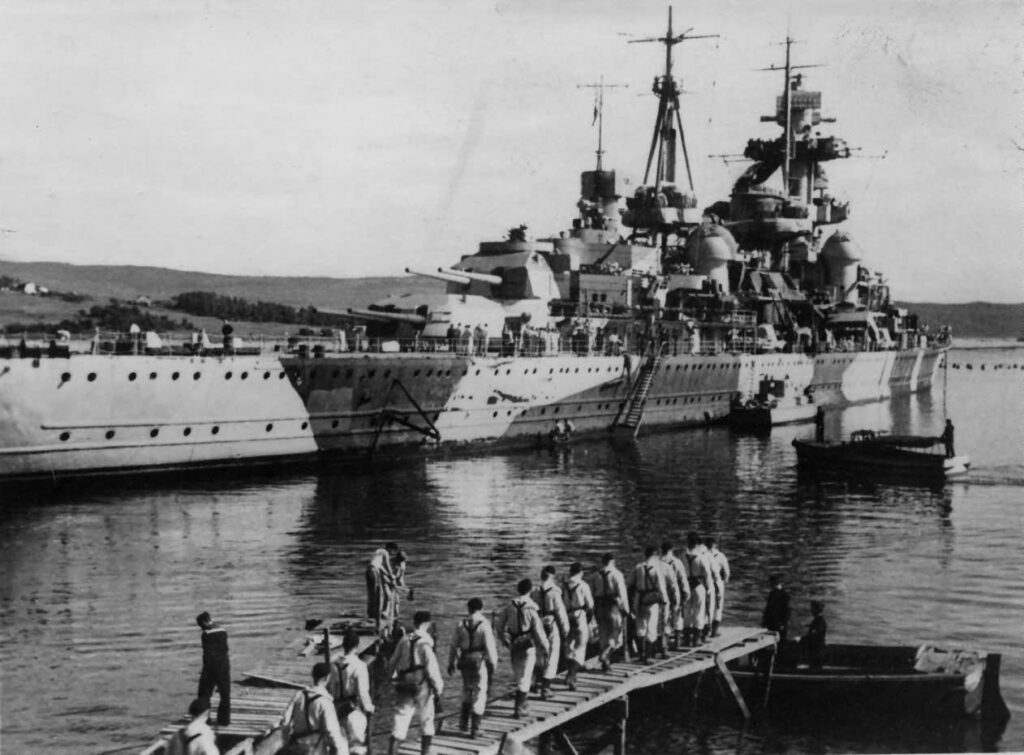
[871, 680]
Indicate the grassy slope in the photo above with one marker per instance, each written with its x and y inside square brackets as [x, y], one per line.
[101, 282]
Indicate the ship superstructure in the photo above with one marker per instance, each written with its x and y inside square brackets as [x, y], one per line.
[658, 313]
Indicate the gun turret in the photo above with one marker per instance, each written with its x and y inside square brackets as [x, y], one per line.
[453, 276]
[494, 280]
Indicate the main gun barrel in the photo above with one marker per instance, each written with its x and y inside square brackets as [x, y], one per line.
[449, 277]
[494, 280]
[374, 314]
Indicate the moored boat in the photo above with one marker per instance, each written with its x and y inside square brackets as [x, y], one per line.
[868, 680]
[777, 402]
[870, 452]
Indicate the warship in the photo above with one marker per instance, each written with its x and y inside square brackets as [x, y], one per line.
[656, 314]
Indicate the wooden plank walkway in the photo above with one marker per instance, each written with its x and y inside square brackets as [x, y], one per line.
[254, 713]
[500, 732]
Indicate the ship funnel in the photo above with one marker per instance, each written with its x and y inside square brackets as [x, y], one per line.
[840, 255]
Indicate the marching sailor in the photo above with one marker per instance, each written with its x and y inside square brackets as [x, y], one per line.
[649, 595]
[580, 608]
[474, 653]
[519, 627]
[417, 683]
[310, 718]
[678, 593]
[611, 606]
[353, 702]
[555, 619]
[720, 571]
[696, 612]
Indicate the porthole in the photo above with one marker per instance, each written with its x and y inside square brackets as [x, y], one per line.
[270, 426]
[495, 414]
[266, 376]
[543, 411]
[152, 376]
[416, 373]
[109, 434]
[334, 424]
[154, 432]
[65, 377]
[371, 373]
[175, 375]
[280, 375]
[195, 375]
[187, 431]
[431, 372]
[304, 425]
[65, 435]
[556, 410]
[244, 375]
[448, 373]
[214, 430]
[132, 376]
[227, 375]
[91, 376]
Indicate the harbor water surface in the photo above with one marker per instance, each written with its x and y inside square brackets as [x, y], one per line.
[101, 583]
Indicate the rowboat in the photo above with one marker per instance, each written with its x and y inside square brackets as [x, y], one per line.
[777, 402]
[870, 680]
[871, 452]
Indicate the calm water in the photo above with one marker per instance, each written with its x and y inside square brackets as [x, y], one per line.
[99, 587]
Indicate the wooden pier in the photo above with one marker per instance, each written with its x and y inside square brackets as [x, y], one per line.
[502, 734]
[256, 711]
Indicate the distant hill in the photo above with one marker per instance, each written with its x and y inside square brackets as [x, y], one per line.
[102, 282]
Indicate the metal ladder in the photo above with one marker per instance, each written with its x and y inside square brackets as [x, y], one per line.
[637, 399]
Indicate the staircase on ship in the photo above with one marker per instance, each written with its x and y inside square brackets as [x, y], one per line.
[631, 414]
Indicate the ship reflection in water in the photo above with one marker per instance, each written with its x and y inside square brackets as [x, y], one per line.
[101, 584]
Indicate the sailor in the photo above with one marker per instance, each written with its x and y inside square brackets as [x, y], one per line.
[678, 582]
[310, 718]
[649, 595]
[695, 612]
[474, 653]
[452, 335]
[947, 439]
[226, 330]
[216, 673]
[611, 605]
[813, 643]
[353, 702]
[196, 737]
[418, 683]
[519, 627]
[380, 592]
[555, 621]
[580, 606]
[819, 425]
[714, 587]
[478, 339]
[776, 610]
[466, 341]
[398, 563]
[721, 574]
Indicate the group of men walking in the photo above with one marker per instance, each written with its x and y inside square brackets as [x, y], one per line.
[666, 602]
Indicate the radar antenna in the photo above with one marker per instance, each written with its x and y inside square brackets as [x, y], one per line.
[668, 112]
[599, 111]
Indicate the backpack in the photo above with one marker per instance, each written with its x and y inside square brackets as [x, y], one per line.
[522, 640]
[410, 679]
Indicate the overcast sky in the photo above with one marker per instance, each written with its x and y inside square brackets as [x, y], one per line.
[357, 138]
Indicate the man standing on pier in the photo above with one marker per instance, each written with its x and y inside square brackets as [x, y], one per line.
[679, 592]
[520, 629]
[216, 673]
[580, 608]
[475, 654]
[611, 606]
[720, 572]
[417, 683]
[353, 702]
[310, 718]
[649, 595]
[555, 620]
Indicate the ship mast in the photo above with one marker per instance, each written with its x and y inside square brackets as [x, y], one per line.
[787, 103]
[669, 117]
[599, 112]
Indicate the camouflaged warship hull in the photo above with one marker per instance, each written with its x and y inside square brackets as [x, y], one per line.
[107, 414]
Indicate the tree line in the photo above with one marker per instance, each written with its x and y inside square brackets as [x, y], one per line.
[209, 304]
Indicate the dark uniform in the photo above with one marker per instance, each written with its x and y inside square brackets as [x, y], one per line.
[216, 673]
[776, 612]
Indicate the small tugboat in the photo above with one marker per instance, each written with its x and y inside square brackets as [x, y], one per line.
[777, 402]
[871, 452]
[859, 680]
